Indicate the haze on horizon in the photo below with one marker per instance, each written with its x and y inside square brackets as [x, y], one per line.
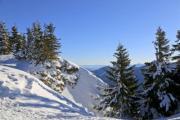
[90, 30]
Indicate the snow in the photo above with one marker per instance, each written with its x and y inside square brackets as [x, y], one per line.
[21, 90]
[72, 64]
[173, 117]
[85, 90]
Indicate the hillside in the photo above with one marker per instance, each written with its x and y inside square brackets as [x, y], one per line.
[85, 90]
[24, 96]
[80, 86]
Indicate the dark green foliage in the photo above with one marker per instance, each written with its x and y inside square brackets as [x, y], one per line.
[51, 44]
[4, 40]
[176, 49]
[29, 44]
[38, 43]
[120, 96]
[176, 58]
[42, 45]
[158, 96]
[161, 46]
[23, 52]
[17, 43]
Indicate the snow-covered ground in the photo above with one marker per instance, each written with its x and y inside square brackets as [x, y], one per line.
[82, 93]
[24, 94]
[24, 97]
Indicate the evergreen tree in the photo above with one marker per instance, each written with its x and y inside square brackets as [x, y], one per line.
[51, 44]
[29, 44]
[23, 52]
[157, 94]
[17, 43]
[4, 40]
[37, 49]
[176, 58]
[13, 38]
[176, 49]
[42, 45]
[119, 99]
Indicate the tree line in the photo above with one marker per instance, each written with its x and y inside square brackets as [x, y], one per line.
[38, 44]
[157, 96]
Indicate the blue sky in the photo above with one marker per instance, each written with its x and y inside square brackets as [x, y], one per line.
[90, 30]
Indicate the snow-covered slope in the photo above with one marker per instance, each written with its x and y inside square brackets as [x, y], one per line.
[24, 96]
[85, 90]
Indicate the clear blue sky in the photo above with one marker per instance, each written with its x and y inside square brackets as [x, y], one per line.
[90, 30]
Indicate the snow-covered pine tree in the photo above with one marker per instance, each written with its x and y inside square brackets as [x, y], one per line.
[4, 40]
[176, 59]
[13, 36]
[37, 49]
[29, 44]
[23, 51]
[176, 48]
[119, 99]
[17, 43]
[157, 95]
[51, 44]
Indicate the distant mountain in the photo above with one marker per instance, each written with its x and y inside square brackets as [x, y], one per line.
[92, 67]
[101, 73]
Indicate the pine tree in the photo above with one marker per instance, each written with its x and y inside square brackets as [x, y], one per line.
[176, 48]
[157, 94]
[42, 45]
[119, 99]
[4, 40]
[17, 43]
[37, 49]
[23, 51]
[13, 38]
[29, 44]
[176, 58]
[51, 44]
